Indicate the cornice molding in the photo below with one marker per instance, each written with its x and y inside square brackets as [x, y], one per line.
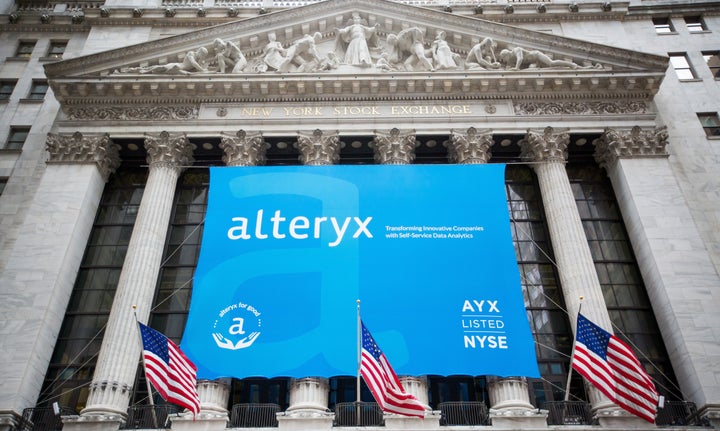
[324, 17]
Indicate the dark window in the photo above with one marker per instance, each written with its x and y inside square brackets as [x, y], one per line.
[17, 138]
[542, 293]
[710, 123]
[3, 183]
[38, 90]
[25, 49]
[712, 59]
[73, 361]
[663, 25]
[682, 67]
[6, 89]
[695, 24]
[57, 49]
[622, 286]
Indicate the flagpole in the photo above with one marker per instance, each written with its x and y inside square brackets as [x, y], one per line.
[572, 354]
[147, 382]
[359, 362]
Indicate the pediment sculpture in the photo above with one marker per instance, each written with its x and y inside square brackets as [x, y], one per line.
[360, 46]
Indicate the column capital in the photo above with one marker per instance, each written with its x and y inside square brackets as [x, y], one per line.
[83, 149]
[545, 146]
[616, 144]
[318, 148]
[243, 149]
[471, 147]
[173, 151]
[395, 147]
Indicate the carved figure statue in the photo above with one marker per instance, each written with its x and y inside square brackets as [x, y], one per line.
[482, 55]
[228, 54]
[274, 55]
[518, 57]
[354, 41]
[442, 55]
[408, 48]
[194, 61]
[303, 54]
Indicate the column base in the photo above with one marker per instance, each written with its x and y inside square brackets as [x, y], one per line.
[202, 422]
[9, 420]
[400, 422]
[107, 422]
[305, 419]
[710, 414]
[518, 418]
[619, 418]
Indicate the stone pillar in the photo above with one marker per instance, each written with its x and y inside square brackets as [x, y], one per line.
[547, 151]
[510, 404]
[308, 408]
[242, 149]
[394, 148]
[120, 352]
[471, 147]
[309, 397]
[318, 149]
[43, 263]
[678, 272]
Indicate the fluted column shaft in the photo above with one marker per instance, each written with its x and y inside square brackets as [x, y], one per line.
[41, 268]
[576, 269]
[115, 372]
[671, 255]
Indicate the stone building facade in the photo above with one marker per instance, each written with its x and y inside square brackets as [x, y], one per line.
[605, 112]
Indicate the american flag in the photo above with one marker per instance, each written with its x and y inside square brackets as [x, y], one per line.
[383, 382]
[611, 366]
[169, 370]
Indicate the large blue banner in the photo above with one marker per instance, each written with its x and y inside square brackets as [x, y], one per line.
[288, 252]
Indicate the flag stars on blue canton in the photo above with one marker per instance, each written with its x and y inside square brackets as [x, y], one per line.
[594, 337]
[156, 344]
[369, 343]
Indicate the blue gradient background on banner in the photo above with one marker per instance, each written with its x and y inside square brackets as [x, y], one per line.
[288, 306]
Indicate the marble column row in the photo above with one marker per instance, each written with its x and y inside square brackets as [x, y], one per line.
[167, 155]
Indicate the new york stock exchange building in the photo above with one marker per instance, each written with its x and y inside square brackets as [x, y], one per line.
[253, 178]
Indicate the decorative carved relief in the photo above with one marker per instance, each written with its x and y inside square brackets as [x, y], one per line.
[358, 45]
[133, 113]
[547, 146]
[243, 150]
[173, 151]
[470, 148]
[318, 149]
[394, 148]
[79, 148]
[578, 108]
[616, 144]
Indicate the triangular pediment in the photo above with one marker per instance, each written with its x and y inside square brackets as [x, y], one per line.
[354, 48]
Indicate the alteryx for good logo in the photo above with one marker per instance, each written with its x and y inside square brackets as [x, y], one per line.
[288, 251]
[237, 326]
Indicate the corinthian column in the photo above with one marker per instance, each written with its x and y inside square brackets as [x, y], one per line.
[318, 149]
[120, 352]
[41, 267]
[547, 151]
[471, 147]
[671, 255]
[394, 148]
[242, 149]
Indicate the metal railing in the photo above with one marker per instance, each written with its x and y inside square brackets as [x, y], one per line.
[254, 416]
[358, 414]
[150, 417]
[464, 413]
[678, 413]
[569, 413]
[43, 419]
